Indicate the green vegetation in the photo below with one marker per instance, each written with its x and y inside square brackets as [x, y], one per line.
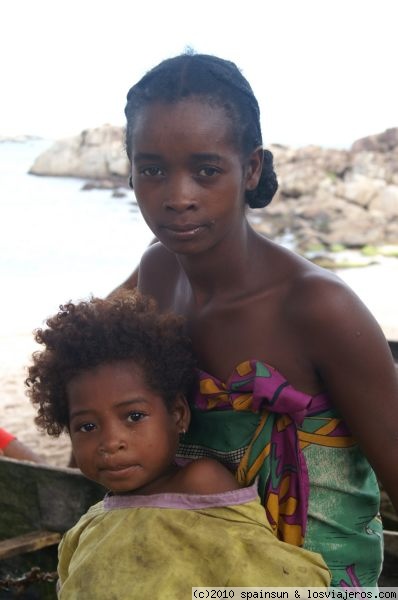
[337, 248]
[370, 251]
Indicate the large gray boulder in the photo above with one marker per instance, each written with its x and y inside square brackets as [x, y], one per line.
[94, 154]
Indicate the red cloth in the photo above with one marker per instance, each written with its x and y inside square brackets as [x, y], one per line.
[5, 438]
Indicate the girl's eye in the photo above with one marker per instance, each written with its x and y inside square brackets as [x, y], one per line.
[151, 172]
[87, 427]
[208, 171]
[135, 416]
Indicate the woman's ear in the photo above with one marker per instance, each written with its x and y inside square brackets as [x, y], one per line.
[254, 167]
[181, 412]
[131, 182]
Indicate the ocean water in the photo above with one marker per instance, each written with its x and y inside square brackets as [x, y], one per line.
[58, 242]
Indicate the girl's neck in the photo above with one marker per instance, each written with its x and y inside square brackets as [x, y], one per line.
[163, 484]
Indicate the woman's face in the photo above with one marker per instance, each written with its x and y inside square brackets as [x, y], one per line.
[188, 175]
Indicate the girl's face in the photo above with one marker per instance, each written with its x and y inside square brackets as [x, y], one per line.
[123, 436]
[188, 175]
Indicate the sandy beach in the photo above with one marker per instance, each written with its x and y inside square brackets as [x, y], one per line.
[17, 413]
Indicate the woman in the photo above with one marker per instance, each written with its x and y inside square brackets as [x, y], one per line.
[304, 425]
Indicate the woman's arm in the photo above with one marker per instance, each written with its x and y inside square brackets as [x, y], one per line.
[352, 357]
[132, 280]
[130, 283]
[205, 476]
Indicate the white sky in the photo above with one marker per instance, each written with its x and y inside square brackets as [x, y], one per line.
[324, 71]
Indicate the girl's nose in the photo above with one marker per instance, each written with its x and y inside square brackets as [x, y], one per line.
[111, 442]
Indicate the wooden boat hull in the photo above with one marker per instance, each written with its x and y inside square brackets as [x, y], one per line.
[394, 349]
[38, 501]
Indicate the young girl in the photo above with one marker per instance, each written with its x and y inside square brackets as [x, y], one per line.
[115, 374]
[297, 384]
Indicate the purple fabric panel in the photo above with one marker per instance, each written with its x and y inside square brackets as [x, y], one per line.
[182, 501]
[272, 392]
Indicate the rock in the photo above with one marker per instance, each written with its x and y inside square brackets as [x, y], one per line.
[359, 189]
[118, 193]
[330, 197]
[391, 234]
[354, 230]
[386, 202]
[381, 142]
[94, 154]
[376, 165]
[302, 171]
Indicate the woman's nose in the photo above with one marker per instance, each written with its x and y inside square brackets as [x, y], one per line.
[181, 195]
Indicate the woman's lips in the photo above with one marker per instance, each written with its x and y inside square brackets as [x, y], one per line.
[183, 231]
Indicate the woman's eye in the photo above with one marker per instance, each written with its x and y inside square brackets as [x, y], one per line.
[135, 416]
[151, 171]
[208, 171]
[86, 427]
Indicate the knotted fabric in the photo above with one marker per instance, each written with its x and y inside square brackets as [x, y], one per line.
[273, 454]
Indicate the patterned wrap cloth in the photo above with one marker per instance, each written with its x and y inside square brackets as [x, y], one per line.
[317, 488]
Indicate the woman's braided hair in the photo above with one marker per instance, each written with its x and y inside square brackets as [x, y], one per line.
[217, 81]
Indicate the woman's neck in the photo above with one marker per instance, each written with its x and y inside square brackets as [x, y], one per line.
[222, 270]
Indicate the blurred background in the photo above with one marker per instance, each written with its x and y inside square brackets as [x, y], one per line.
[324, 73]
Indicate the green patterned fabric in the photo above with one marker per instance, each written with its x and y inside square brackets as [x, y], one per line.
[316, 486]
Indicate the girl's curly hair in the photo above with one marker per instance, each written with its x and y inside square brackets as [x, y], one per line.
[82, 336]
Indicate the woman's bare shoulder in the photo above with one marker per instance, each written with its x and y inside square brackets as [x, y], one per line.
[321, 296]
[305, 285]
[158, 274]
[338, 334]
[322, 311]
[157, 269]
[318, 304]
[156, 257]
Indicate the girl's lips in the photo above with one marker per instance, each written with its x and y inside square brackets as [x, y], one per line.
[118, 470]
